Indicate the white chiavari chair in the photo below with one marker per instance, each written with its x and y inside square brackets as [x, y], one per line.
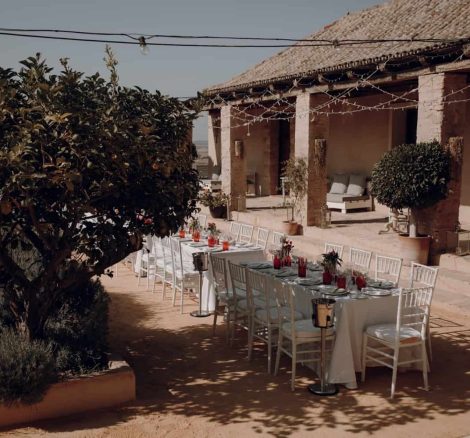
[202, 218]
[224, 299]
[329, 247]
[240, 306]
[262, 237]
[234, 230]
[359, 259]
[298, 338]
[184, 275]
[388, 269]
[146, 267]
[409, 331]
[164, 264]
[265, 313]
[246, 233]
[276, 240]
[422, 275]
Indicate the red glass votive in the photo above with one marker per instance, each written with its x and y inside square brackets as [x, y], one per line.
[211, 241]
[181, 233]
[327, 278]
[360, 282]
[302, 270]
[341, 282]
[276, 262]
[225, 245]
[196, 235]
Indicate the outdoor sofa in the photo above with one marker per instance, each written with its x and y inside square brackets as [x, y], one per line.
[349, 192]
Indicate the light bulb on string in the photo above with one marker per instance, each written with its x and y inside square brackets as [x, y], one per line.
[144, 48]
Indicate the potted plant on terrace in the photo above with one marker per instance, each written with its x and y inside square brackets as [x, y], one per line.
[413, 176]
[216, 201]
[296, 172]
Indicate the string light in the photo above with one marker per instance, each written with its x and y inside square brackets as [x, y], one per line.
[144, 49]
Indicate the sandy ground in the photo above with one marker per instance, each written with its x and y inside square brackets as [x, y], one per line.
[190, 384]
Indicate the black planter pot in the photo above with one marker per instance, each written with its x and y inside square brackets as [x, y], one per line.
[218, 212]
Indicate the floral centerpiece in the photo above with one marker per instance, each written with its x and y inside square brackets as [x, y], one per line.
[212, 228]
[194, 224]
[213, 234]
[286, 248]
[331, 262]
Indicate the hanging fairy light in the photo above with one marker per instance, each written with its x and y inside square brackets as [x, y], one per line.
[144, 48]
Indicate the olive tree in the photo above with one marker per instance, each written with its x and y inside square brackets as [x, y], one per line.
[87, 168]
[413, 176]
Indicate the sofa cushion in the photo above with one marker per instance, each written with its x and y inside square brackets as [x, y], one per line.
[357, 185]
[334, 197]
[340, 184]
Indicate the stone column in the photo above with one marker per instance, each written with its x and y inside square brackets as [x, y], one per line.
[445, 122]
[233, 173]
[213, 140]
[311, 134]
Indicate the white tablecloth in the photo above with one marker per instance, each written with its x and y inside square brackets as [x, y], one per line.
[234, 254]
[352, 317]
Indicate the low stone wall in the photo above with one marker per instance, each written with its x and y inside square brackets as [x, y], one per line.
[100, 390]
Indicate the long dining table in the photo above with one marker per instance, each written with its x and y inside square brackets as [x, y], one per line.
[237, 253]
[353, 313]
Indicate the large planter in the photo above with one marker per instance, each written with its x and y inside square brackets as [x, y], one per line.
[415, 249]
[291, 228]
[218, 212]
[104, 389]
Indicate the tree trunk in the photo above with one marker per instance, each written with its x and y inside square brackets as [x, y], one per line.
[413, 226]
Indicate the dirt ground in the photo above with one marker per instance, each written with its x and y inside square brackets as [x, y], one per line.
[190, 384]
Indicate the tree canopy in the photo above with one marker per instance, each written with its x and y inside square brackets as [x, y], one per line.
[87, 168]
[412, 176]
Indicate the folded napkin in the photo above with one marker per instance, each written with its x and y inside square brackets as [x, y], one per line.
[286, 273]
[380, 284]
[257, 265]
[314, 267]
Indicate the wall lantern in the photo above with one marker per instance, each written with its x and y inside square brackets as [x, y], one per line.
[239, 148]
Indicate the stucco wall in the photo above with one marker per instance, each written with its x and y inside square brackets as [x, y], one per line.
[357, 141]
[465, 195]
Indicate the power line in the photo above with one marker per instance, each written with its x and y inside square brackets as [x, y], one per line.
[136, 39]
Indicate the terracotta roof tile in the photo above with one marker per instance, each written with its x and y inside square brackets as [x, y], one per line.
[395, 19]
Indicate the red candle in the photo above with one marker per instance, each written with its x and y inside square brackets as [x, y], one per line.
[181, 233]
[302, 270]
[225, 245]
[196, 235]
[276, 262]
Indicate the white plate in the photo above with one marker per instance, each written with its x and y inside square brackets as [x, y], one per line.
[215, 249]
[376, 292]
[308, 281]
[381, 284]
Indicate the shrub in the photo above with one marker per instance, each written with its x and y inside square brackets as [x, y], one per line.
[296, 171]
[411, 176]
[27, 368]
[87, 169]
[78, 330]
[213, 199]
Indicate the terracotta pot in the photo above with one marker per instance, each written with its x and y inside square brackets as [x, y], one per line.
[290, 228]
[415, 249]
[218, 212]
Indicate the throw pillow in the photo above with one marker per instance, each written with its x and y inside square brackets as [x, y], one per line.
[357, 185]
[340, 184]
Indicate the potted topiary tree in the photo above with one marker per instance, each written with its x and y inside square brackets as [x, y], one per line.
[413, 176]
[296, 172]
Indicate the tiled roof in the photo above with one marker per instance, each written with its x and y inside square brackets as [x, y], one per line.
[410, 19]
